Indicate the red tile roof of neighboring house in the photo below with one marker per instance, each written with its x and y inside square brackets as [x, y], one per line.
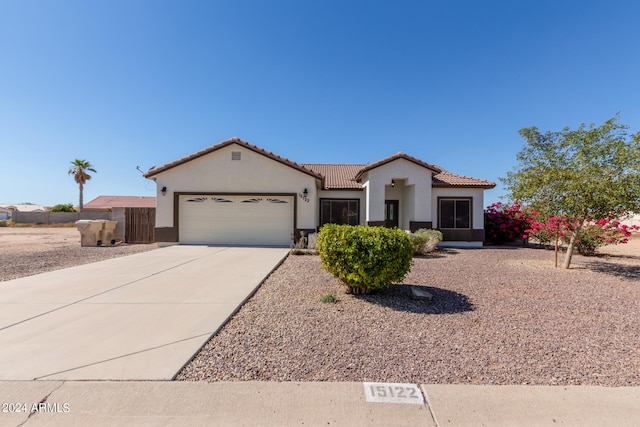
[235, 140]
[110, 202]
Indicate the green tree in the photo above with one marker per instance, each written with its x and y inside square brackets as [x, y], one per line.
[68, 207]
[79, 170]
[585, 174]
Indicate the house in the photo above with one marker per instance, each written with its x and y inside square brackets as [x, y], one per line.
[7, 209]
[25, 207]
[107, 203]
[235, 193]
[5, 213]
[10, 211]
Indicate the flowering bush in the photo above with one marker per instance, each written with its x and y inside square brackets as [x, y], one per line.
[602, 232]
[592, 235]
[546, 231]
[506, 223]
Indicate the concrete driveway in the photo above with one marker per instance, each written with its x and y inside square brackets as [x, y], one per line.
[140, 317]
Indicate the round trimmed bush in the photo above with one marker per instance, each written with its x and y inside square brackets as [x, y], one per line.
[365, 258]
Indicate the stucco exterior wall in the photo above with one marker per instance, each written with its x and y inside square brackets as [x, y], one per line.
[254, 173]
[409, 204]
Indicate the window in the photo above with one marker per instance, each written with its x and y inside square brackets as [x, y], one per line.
[454, 213]
[339, 211]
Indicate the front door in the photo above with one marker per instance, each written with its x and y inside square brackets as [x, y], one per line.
[391, 213]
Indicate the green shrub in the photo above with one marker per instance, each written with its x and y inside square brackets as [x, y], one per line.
[297, 251]
[63, 208]
[330, 297]
[3, 223]
[425, 240]
[365, 258]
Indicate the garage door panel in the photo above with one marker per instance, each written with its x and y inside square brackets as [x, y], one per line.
[261, 220]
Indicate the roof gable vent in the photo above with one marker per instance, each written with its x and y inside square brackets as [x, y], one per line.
[235, 155]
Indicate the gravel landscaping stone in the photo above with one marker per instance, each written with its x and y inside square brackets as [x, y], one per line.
[29, 251]
[498, 316]
[17, 266]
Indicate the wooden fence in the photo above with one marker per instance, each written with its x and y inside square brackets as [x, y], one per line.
[139, 225]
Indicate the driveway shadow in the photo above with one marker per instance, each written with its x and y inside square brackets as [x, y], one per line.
[625, 271]
[398, 298]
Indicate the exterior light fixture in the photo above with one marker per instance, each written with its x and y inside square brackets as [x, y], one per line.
[393, 183]
[164, 191]
[305, 192]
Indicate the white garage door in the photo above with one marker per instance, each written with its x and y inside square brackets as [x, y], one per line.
[236, 220]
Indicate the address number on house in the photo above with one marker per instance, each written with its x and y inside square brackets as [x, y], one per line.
[393, 393]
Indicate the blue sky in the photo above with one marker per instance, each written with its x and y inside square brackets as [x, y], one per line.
[141, 83]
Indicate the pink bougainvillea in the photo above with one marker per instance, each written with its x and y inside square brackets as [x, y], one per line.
[506, 223]
[545, 231]
[593, 233]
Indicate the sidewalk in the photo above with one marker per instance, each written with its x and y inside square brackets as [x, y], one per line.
[140, 403]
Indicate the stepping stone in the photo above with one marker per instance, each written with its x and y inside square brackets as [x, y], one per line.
[419, 294]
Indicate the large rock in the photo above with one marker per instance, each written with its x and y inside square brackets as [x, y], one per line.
[419, 294]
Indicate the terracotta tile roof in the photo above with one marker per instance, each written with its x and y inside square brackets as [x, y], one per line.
[109, 202]
[448, 179]
[343, 177]
[337, 177]
[235, 140]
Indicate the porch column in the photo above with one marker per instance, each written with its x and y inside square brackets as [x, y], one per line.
[374, 201]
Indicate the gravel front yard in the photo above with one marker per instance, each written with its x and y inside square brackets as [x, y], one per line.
[499, 316]
[29, 251]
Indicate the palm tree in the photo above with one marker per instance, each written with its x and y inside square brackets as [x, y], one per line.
[79, 170]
